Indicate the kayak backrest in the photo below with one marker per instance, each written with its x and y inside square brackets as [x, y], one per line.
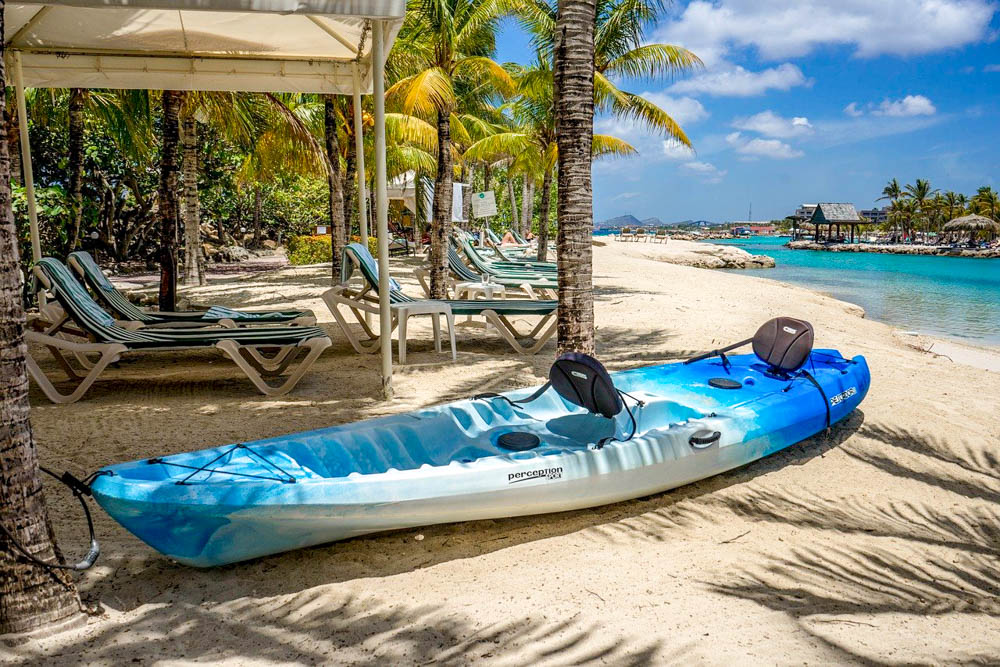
[784, 343]
[583, 380]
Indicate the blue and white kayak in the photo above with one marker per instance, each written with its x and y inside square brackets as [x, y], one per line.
[443, 464]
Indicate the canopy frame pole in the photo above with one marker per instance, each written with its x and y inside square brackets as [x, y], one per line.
[382, 207]
[359, 148]
[29, 178]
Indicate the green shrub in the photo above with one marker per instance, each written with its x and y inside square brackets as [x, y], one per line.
[309, 249]
[317, 249]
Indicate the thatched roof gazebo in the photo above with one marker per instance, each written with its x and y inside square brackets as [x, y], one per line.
[835, 213]
[973, 223]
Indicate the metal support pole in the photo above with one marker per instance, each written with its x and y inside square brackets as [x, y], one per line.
[382, 207]
[29, 177]
[29, 180]
[359, 148]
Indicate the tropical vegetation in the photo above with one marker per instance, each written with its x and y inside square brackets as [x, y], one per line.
[918, 210]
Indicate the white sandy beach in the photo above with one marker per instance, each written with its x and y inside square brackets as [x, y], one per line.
[875, 543]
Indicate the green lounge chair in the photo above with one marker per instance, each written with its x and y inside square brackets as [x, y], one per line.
[519, 269]
[91, 274]
[84, 318]
[535, 288]
[496, 312]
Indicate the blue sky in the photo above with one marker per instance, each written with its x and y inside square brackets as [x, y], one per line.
[805, 101]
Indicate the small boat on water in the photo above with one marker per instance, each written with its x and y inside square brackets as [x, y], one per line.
[587, 438]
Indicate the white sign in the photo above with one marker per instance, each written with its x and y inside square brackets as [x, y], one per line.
[484, 204]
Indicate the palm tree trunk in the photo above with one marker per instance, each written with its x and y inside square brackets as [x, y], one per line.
[193, 265]
[168, 201]
[574, 105]
[513, 199]
[337, 228]
[441, 223]
[543, 217]
[30, 596]
[527, 206]
[77, 101]
[467, 195]
[348, 186]
[14, 146]
[258, 217]
[487, 176]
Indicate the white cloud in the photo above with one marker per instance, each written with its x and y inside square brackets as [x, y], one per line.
[675, 150]
[626, 195]
[770, 148]
[853, 110]
[992, 68]
[771, 124]
[785, 28]
[733, 80]
[708, 172]
[911, 105]
[684, 110]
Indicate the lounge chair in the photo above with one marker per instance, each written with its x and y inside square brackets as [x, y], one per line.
[365, 299]
[660, 236]
[641, 235]
[507, 267]
[84, 318]
[626, 234]
[533, 288]
[92, 275]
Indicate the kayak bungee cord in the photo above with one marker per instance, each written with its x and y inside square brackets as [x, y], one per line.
[79, 489]
[288, 479]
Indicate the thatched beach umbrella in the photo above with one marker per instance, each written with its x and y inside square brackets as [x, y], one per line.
[973, 223]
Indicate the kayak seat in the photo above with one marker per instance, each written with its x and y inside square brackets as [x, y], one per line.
[582, 380]
[784, 343]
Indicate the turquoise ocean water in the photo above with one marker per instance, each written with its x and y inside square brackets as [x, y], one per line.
[953, 297]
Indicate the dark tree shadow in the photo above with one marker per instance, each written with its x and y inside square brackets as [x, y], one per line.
[907, 557]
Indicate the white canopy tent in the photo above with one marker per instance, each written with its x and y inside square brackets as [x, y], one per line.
[404, 188]
[306, 46]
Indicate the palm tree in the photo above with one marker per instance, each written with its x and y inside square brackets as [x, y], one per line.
[446, 44]
[920, 193]
[892, 191]
[530, 142]
[232, 115]
[168, 204]
[30, 596]
[986, 202]
[952, 203]
[338, 228]
[574, 75]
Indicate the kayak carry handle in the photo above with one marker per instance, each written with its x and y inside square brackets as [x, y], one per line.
[704, 439]
[719, 352]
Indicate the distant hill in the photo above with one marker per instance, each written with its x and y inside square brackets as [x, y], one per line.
[620, 221]
[632, 221]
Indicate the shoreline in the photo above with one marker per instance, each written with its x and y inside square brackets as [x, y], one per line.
[897, 249]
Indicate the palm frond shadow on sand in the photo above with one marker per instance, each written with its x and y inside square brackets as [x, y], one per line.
[909, 557]
[310, 628]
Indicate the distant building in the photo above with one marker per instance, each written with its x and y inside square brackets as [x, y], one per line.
[743, 228]
[804, 212]
[876, 216]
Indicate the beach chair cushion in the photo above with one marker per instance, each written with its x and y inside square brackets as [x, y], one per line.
[80, 306]
[125, 309]
[369, 270]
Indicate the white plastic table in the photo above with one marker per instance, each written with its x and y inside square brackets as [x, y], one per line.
[428, 307]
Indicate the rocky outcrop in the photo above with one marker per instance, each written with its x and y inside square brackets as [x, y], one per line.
[700, 255]
[941, 251]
